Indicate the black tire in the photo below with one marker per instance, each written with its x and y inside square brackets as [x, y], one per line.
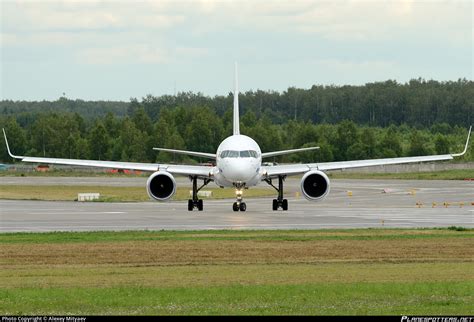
[275, 205]
[243, 206]
[190, 205]
[200, 205]
[235, 207]
[284, 205]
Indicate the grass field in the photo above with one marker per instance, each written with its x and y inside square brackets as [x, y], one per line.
[409, 272]
[110, 194]
[434, 175]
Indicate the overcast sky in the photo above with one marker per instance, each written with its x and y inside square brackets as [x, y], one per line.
[114, 50]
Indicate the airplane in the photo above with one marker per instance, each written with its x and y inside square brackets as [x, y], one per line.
[238, 164]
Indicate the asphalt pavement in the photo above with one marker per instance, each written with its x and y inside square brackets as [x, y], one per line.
[351, 204]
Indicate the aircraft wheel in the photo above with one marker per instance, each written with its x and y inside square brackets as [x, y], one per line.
[243, 206]
[275, 205]
[235, 207]
[190, 205]
[284, 204]
[200, 205]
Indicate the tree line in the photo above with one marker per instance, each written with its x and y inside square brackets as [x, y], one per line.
[418, 103]
[200, 128]
[382, 119]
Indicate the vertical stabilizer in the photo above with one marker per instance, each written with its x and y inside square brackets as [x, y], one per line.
[236, 103]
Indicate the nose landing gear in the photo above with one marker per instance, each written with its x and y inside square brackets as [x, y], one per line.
[239, 204]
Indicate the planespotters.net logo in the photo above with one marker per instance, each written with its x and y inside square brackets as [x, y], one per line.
[437, 319]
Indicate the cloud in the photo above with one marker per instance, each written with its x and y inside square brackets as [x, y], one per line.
[74, 17]
[336, 20]
[122, 55]
[138, 54]
[364, 39]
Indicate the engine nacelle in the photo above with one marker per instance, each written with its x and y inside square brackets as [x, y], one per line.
[161, 186]
[315, 185]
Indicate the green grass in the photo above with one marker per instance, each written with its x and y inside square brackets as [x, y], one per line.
[455, 174]
[291, 272]
[229, 235]
[316, 299]
[110, 194]
[433, 175]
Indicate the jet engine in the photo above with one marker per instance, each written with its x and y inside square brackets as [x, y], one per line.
[315, 185]
[161, 186]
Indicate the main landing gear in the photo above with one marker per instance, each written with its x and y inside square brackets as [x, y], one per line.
[279, 202]
[239, 204]
[195, 202]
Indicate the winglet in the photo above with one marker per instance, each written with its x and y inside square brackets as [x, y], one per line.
[8, 147]
[465, 147]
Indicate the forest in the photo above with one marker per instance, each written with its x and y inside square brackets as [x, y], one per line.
[375, 120]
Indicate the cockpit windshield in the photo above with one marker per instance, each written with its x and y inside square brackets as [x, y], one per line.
[239, 154]
[229, 154]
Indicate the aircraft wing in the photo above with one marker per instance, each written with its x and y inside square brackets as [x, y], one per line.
[275, 153]
[185, 170]
[294, 169]
[193, 153]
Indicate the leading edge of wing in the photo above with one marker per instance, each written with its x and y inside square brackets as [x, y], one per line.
[294, 169]
[340, 165]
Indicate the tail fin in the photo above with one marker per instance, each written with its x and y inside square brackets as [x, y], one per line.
[236, 104]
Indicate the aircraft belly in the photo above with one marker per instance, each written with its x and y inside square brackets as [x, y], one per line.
[221, 181]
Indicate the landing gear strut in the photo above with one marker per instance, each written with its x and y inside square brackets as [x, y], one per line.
[239, 204]
[279, 202]
[195, 202]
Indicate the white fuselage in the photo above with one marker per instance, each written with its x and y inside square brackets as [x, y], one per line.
[238, 162]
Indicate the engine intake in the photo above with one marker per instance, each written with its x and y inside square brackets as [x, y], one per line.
[161, 186]
[315, 185]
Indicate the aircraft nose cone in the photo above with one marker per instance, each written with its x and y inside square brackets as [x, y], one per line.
[239, 171]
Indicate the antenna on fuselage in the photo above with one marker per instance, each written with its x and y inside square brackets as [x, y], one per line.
[236, 103]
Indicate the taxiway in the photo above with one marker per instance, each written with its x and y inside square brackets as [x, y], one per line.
[351, 204]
